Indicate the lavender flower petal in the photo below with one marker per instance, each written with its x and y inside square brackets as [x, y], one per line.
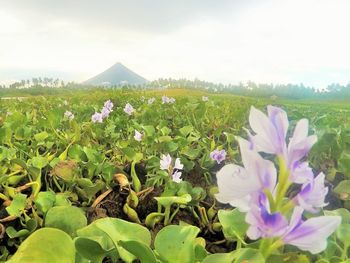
[312, 234]
[312, 195]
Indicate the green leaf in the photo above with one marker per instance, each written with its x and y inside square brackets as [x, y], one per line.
[143, 252]
[344, 164]
[176, 244]
[343, 190]
[150, 131]
[186, 130]
[40, 137]
[233, 224]
[219, 258]
[248, 255]
[118, 229]
[291, 257]
[67, 218]
[94, 244]
[17, 205]
[169, 200]
[39, 162]
[343, 234]
[45, 245]
[344, 213]
[44, 201]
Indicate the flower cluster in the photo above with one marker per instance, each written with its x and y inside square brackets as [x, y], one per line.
[165, 99]
[106, 110]
[69, 115]
[205, 98]
[166, 163]
[257, 190]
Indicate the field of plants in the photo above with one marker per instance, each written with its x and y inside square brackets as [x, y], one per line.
[173, 176]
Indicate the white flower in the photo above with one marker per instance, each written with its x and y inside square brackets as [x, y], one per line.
[165, 162]
[69, 115]
[138, 136]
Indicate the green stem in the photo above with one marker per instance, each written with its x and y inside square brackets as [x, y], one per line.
[265, 247]
[135, 180]
[166, 215]
[283, 182]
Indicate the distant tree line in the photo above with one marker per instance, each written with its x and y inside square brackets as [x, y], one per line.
[43, 86]
[288, 91]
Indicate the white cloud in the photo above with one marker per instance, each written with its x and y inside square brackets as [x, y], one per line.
[266, 41]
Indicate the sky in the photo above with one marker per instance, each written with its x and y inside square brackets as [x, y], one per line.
[227, 41]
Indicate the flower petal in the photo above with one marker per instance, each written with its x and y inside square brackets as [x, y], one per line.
[235, 186]
[312, 234]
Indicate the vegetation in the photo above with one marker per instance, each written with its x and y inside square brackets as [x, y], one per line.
[85, 177]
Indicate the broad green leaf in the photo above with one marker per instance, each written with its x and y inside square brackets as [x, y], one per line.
[343, 190]
[40, 137]
[176, 244]
[233, 224]
[44, 201]
[118, 229]
[39, 162]
[143, 252]
[219, 258]
[45, 245]
[17, 205]
[67, 218]
[248, 255]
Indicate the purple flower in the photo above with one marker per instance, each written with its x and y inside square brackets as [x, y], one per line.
[105, 112]
[300, 143]
[263, 223]
[109, 105]
[165, 99]
[129, 109]
[270, 137]
[312, 194]
[218, 156]
[69, 115]
[240, 187]
[138, 136]
[97, 117]
[205, 98]
[310, 235]
[151, 100]
[270, 130]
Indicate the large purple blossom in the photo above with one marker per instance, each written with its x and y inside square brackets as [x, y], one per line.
[254, 188]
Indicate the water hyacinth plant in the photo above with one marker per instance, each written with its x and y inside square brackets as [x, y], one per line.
[106, 110]
[258, 190]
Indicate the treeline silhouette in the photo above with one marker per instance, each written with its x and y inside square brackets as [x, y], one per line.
[50, 86]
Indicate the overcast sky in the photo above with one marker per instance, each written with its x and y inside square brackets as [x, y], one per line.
[225, 41]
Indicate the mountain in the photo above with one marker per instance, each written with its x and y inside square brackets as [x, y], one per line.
[116, 75]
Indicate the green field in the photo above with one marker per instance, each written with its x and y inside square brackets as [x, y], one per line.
[75, 190]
